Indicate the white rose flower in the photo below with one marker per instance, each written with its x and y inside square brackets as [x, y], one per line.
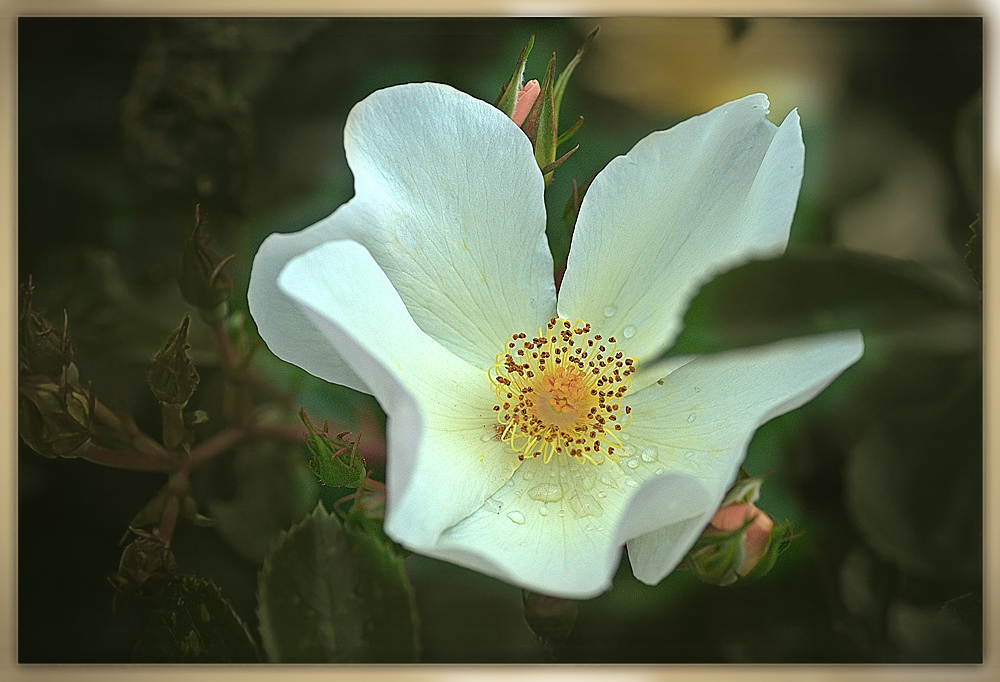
[522, 440]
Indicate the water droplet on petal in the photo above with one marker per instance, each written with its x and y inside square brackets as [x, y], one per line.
[692, 417]
[629, 450]
[630, 482]
[516, 516]
[609, 311]
[608, 481]
[689, 454]
[632, 464]
[629, 331]
[546, 492]
[649, 455]
[486, 437]
[659, 470]
[528, 475]
[544, 511]
[562, 512]
[602, 494]
[624, 435]
[494, 505]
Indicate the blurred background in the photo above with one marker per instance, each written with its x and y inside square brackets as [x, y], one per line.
[125, 125]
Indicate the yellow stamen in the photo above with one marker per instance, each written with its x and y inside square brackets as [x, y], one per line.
[561, 392]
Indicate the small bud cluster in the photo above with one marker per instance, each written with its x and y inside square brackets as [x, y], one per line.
[55, 413]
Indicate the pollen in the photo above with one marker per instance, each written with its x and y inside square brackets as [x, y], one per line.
[561, 393]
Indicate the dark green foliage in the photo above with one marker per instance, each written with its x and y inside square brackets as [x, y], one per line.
[193, 623]
[331, 594]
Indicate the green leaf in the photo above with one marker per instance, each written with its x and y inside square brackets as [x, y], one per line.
[273, 490]
[330, 594]
[335, 461]
[812, 291]
[913, 484]
[173, 377]
[508, 93]
[193, 623]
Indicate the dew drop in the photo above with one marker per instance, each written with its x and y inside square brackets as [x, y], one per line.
[516, 516]
[632, 464]
[689, 454]
[608, 481]
[629, 331]
[602, 494]
[692, 417]
[629, 450]
[649, 455]
[630, 482]
[609, 311]
[486, 437]
[544, 511]
[624, 435]
[546, 492]
[494, 505]
[528, 475]
[562, 512]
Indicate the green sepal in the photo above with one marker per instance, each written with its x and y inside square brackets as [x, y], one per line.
[329, 593]
[173, 377]
[569, 132]
[203, 280]
[194, 623]
[560, 86]
[541, 123]
[714, 557]
[746, 490]
[336, 462]
[507, 100]
[780, 538]
[41, 349]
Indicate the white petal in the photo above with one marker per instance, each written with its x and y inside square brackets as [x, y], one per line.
[449, 202]
[701, 419]
[558, 528]
[683, 205]
[443, 461]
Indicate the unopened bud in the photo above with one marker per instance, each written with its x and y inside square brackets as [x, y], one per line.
[173, 377]
[53, 419]
[336, 462]
[41, 349]
[146, 563]
[740, 544]
[526, 97]
[755, 537]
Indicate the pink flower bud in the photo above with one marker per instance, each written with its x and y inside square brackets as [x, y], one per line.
[526, 97]
[756, 537]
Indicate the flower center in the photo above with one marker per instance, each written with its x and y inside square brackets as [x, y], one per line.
[561, 392]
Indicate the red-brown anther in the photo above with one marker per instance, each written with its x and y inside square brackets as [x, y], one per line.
[555, 397]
